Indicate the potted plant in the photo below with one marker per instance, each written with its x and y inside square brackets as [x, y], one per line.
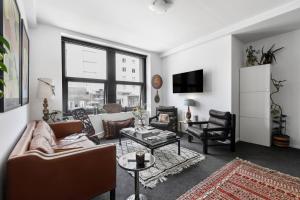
[269, 56]
[4, 48]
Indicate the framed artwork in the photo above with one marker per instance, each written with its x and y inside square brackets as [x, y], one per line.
[25, 65]
[10, 28]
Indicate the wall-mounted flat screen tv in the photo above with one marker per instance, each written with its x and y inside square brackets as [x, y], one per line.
[188, 82]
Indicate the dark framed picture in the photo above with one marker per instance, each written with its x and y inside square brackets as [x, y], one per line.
[10, 29]
[25, 64]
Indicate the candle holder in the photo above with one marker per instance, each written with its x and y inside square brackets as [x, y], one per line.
[140, 158]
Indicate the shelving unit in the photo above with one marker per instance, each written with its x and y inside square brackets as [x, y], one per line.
[255, 105]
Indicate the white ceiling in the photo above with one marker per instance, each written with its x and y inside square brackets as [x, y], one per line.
[131, 22]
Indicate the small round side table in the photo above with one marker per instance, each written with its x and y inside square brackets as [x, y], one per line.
[128, 162]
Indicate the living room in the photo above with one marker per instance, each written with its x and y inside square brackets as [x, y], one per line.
[110, 99]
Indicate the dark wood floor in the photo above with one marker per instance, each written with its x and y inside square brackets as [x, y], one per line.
[284, 160]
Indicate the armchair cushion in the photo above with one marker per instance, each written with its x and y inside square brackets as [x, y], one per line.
[160, 125]
[164, 118]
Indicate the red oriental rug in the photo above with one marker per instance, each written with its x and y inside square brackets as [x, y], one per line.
[241, 179]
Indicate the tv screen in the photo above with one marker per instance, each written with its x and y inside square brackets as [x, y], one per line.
[188, 82]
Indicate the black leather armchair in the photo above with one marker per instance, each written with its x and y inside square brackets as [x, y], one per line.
[173, 123]
[220, 127]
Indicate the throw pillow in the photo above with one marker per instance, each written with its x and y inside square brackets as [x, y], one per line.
[43, 129]
[164, 118]
[112, 128]
[41, 143]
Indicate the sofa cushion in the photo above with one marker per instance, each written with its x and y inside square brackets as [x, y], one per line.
[44, 130]
[41, 143]
[74, 142]
[112, 128]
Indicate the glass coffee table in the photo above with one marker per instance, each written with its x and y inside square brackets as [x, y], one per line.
[133, 135]
[128, 162]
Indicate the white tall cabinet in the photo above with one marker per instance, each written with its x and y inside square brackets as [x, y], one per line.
[255, 104]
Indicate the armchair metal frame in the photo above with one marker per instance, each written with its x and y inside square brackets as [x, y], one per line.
[206, 136]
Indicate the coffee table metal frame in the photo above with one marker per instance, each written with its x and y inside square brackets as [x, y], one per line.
[136, 195]
[151, 145]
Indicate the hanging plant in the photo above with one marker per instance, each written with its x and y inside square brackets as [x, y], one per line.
[251, 56]
[269, 56]
[4, 48]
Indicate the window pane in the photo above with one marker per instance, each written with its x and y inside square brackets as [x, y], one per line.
[129, 68]
[85, 62]
[128, 95]
[89, 96]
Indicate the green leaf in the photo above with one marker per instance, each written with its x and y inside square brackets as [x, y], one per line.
[1, 94]
[4, 42]
[3, 67]
[2, 82]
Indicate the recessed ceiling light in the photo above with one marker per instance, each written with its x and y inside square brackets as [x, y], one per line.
[160, 6]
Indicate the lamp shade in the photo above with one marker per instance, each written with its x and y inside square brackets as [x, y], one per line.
[45, 88]
[189, 102]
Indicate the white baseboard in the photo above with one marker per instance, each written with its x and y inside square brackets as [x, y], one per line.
[295, 146]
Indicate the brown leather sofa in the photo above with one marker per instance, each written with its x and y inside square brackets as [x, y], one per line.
[72, 168]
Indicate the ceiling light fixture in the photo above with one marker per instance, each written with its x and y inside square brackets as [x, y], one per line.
[160, 6]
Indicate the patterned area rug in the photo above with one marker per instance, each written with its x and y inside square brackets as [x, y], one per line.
[244, 180]
[167, 161]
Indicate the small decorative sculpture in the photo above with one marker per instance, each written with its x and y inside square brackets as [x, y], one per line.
[157, 83]
[251, 56]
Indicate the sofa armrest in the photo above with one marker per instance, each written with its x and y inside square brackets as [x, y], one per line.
[77, 174]
[64, 129]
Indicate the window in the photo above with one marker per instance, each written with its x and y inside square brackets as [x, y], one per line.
[89, 96]
[128, 95]
[94, 75]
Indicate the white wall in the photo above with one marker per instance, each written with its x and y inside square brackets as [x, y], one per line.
[287, 68]
[236, 63]
[214, 58]
[46, 62]
[12, 124]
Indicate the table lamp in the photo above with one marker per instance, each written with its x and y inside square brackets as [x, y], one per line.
[45, 91]
[188, 103]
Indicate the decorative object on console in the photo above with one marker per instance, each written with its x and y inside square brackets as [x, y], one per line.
[188, 103]
[269, 56]
[46, 90]
[157, 83]
[251, 56]
[196, 118]
[10, 22]
[25, 65]
[241, 179]
[220, 127]
[279, 119]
